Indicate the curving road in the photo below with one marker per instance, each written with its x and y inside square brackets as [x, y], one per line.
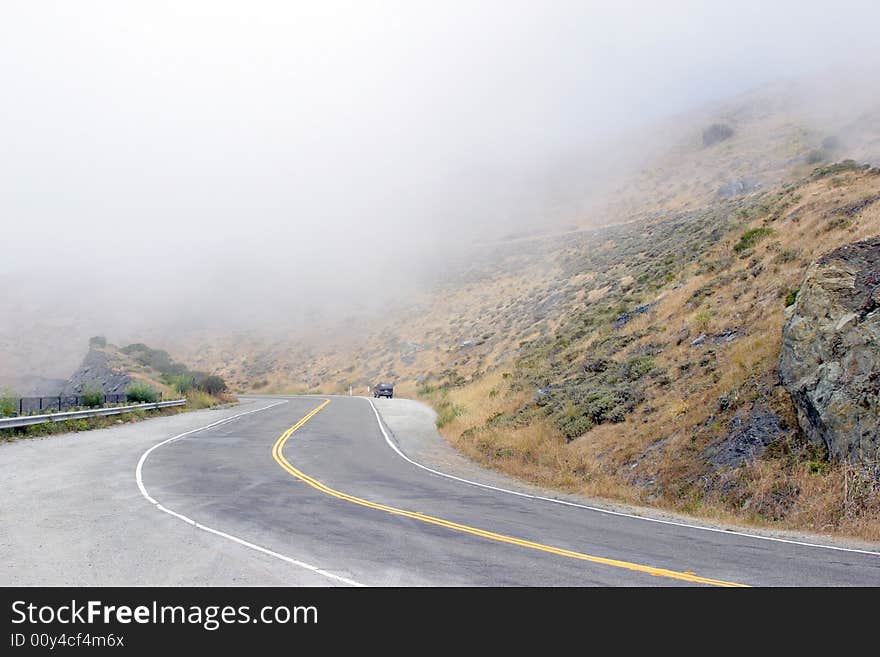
[329, 491]
[317, 481]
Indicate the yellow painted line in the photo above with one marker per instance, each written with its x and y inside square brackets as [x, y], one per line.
[277, 453]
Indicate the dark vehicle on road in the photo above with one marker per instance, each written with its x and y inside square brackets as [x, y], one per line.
[383, 390]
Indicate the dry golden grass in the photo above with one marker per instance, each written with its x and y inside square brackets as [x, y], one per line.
[795, 490]
[196, 399]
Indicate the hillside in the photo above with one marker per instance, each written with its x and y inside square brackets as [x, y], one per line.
[637, 360]
[117, 370]
[492, 296]
[657, 382]
[664, 389]
[112, 369]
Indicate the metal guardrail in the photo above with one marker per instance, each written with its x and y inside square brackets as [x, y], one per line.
[58, 403]
[27, 420]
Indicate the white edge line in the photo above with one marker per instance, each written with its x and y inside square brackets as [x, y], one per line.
[728, 532]
[217, 532]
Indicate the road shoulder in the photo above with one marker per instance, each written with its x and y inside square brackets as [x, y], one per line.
[71, 514]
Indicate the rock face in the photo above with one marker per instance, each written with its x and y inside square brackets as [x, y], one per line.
[747, 438]
[98, 371]
[830, 361]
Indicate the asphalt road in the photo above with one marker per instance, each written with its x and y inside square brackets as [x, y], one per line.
[248, 501]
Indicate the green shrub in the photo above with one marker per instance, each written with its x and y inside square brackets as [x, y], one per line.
[818, 466]
[791, 297]
[82, 424]
[92, 396]
[575, 426]
[453, 380]
[8, 404]
[702, 320]
[499, 420]
[786, 255]
[839, 167]
[607, 405]
[636, 367]
[98, 341]
[141, 392]
[715, 133]
[212, 384]
[182, 383]
[447, 412]
[577, 409]
[751, 237]
[158, 359]
[837, 223]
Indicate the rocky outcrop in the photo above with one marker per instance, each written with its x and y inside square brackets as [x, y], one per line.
[98, 370]
[747, 438]
[830, 361]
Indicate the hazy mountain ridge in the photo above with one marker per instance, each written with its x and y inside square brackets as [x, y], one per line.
[405, 323]
[493, 295]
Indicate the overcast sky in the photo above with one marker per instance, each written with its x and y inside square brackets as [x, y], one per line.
[217, 144]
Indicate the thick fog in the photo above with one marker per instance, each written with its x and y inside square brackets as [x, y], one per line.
[244, 164]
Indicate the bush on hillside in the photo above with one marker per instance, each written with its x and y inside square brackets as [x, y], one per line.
[182, 383]
[447, 411]
[839, 167]
[157, 359]
[92, 396]
[715, 133]
[212, 384]
[141, 393]
[8, 403]
[751, 237]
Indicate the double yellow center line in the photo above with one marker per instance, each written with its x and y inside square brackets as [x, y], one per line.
[278, 455]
